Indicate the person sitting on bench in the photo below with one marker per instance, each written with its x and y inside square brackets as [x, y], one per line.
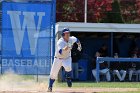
[102, 52]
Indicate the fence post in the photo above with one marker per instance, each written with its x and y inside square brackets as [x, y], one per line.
[97, 70]
[1, 63]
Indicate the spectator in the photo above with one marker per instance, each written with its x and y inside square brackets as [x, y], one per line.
[76, 55]
[134, 53]
[102, 52]
[134, 50]
[121, 74]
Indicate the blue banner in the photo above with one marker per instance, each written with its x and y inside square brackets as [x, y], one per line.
[26, 37]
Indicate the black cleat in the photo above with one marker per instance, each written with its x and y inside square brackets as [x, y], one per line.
[69, 84]
[49, 89]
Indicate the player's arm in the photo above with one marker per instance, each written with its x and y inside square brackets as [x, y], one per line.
[65, 48]
[79, 45]
[74, 39]
[61, 47]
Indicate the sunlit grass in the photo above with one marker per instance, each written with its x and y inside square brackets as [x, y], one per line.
[103, 84]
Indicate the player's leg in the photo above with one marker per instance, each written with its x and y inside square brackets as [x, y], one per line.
[67, 64]
[116, 72]
[107, 73]
[131, 71]
[108, 76]
[54, 72]
[94, 73]
[123, 72]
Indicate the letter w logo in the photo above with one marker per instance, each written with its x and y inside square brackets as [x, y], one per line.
[19, 28]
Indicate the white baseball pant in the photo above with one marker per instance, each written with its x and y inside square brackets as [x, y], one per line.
[120, 74]
[58, 63]
[103, 71]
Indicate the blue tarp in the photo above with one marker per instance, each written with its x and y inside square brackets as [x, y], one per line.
[26, 37]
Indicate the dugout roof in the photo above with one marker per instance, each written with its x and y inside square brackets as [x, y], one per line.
[98, 27]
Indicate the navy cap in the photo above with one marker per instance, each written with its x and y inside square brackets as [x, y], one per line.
[65, 30]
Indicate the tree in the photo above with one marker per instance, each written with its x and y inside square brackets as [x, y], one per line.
[73, 10]
[130, 10]
[115, 15]
[97, 9]
[70, 11]
[106, 11]
[137, 5]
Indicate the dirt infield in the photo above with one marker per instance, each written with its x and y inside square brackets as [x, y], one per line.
[17, 84]
[70, 90]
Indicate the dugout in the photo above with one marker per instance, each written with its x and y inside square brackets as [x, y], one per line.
[118, 37]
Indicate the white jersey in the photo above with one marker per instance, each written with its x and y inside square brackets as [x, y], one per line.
[61, 44]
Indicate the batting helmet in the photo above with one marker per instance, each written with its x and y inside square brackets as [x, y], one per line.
[65, 30]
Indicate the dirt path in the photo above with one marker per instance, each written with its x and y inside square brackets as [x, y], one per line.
[71, 90]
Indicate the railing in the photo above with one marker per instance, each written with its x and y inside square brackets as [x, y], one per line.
[109, 59]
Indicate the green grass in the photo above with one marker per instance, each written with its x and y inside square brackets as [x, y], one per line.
[122, 92]
[103, 84]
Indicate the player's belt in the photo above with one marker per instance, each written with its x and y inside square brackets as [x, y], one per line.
[58, 58]
[62, 58]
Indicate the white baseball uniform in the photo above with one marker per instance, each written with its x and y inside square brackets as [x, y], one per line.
[64, 58]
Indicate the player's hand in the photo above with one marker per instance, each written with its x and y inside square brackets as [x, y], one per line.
[65, 48]
[79, 47]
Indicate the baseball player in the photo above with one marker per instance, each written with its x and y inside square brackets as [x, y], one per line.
[63, 57]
